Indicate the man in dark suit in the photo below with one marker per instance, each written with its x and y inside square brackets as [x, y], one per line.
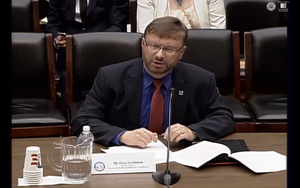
[119, 105]
[99, 15]
[71, 17]
[82, 16]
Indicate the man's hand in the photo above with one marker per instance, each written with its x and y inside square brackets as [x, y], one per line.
[138, 137]
[179, 132]
[60, 41]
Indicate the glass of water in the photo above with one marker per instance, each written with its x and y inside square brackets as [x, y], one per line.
[75, 159]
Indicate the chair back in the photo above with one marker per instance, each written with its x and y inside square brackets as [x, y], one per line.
[86, 53]
[266, 58]
[247, 15]
[216, 50]
[32, 66]
[133, 7]
[25, 16]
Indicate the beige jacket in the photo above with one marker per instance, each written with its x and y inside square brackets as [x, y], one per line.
[211, 13]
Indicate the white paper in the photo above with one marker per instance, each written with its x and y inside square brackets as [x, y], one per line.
[261, 161]
[257, 161]
[158, 148]
[198, 154]
[47, 180]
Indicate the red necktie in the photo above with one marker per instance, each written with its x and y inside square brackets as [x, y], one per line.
[157, 109]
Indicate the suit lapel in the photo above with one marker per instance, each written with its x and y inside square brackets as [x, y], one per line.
[180, 96]
[133, 92]
[73, 5]
[92, 4]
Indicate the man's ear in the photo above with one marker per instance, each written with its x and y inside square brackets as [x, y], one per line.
[142, 42]
[182, 51]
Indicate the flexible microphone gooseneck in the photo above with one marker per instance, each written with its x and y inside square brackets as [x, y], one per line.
[167, 178]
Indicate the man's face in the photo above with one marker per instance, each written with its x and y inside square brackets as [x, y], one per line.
[160, 55]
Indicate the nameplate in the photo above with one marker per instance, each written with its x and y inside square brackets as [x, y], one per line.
[110, 163]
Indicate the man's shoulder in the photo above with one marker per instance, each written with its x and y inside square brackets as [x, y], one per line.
[122, 67]
[194, 74]
[122, 64]
[193, 69]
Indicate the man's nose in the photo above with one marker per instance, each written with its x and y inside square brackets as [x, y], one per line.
[160, 54]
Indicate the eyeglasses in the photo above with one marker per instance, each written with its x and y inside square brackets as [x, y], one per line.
[156, 48]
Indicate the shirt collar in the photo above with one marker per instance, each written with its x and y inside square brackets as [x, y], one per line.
[148, 79]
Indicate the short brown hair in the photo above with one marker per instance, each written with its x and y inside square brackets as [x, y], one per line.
[167, 27]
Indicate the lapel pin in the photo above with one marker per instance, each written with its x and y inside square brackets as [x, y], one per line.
[180, 92]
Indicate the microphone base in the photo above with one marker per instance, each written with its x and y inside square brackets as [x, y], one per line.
[166, 178]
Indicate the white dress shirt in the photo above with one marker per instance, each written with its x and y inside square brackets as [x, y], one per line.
[77, 11]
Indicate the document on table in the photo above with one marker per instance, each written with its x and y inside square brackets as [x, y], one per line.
[257, 161]
[198, 154]
[158, 148]
[261, 161]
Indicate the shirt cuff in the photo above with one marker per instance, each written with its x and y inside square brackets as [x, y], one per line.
[195, 134]
[115, 140]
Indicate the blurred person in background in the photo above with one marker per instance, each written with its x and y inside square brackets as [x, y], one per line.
[195, 14]
[83, 16]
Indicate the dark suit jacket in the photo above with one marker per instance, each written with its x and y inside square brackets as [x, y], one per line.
[113, 104]
[102, 15]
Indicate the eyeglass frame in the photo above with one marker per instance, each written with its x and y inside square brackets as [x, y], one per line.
[173, 52]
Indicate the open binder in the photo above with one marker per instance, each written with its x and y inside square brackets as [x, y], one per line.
[235, 145]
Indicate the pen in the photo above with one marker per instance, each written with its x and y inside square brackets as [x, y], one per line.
[159, 136]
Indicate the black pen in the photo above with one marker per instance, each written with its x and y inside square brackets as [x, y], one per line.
[159, 136]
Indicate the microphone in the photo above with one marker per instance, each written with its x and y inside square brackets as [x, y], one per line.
[167, 177]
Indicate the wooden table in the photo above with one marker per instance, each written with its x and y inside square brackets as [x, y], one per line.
[222, 176]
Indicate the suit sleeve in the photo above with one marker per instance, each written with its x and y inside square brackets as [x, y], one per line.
[92, 112]
[54, 23]
[145, 14]
[119, 15]
[218, 121]
[217, 14]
